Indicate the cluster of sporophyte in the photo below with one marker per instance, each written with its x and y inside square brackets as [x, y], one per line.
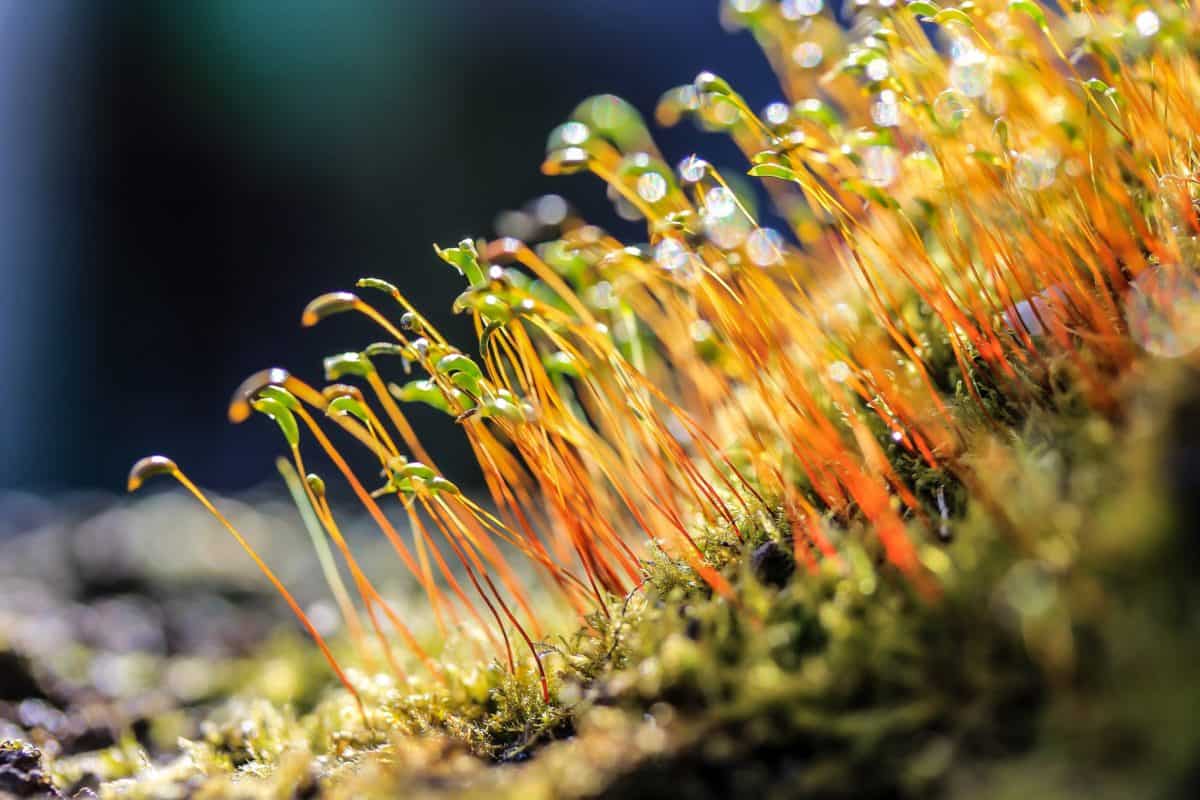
[985, 210]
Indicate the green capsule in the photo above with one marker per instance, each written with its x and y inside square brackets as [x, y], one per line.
[348, 405]
[465, 259]
[281, 396]
[347, 364]
[379, 285]
[503, 408]
[388, 349]
[561, 363]
[458, 363]
[415, 469]
[439, 484]
[282, 416]
[421, 391]
[316, 483]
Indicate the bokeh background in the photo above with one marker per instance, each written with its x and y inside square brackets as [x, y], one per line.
[177, 180]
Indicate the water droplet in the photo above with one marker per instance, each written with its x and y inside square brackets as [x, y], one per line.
[675, 258]
[840, 319]
[807, 54]
[626, 210]
[764, 246]
[550, 209]
[700, 331]
[1035, 169]
[719, 202]
[881, 165]
[897, 436]
[692, 169]
[569, 134]
[970, 72]
[795, 9]
[776, 113]
[839, 371]
[1162, 310]
[746, 6]
[723, 111]
[1147, 23]
[670, 253]
[726, 231]
[950, 108]
[601, 296]
[878, 69]
[652, 187]
[885, 111]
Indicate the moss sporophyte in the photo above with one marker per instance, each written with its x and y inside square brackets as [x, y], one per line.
[772, 444]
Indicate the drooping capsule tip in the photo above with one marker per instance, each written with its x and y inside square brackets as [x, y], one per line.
[239, 404]
[327, 304]
[148, 467]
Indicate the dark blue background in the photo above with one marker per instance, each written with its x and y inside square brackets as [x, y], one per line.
[178, 179]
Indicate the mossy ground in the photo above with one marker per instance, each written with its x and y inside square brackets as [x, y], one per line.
[1054, 660]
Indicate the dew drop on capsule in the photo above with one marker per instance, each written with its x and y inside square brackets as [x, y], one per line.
[878, 69]
[838, 372]
[670, 254]
[726, 231]
[950, 108]
[969, 72]
[683, 265]
[692, 169]
[881, 165]
[776, 113]
[719, 202]
[652, 187]
[1147, 23]
[569, 134]
[807, 55]
[1035, 169]
[746, 6]
[626, 210]
[795, 9]
[885, 111]
[764, 247]
[1162, 310]
[550, 209]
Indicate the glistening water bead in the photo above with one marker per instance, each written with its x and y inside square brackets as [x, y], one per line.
[796, 9]
[881, 165]
[719, 202]
[764, 247]
[970, 72]
[885, 111]
[692, 169]
[950, 108]
[1035, 169]
[652, 187]
[1162, 310]
[808, 54]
